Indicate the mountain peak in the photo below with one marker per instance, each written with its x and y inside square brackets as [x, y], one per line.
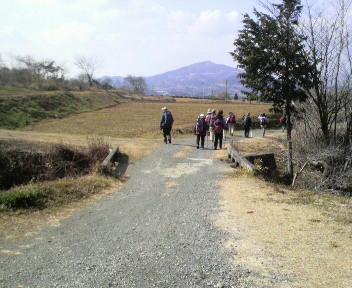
[202, 78]
[205, 63]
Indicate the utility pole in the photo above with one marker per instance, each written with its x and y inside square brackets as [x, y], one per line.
[203, 89]
[226, 95]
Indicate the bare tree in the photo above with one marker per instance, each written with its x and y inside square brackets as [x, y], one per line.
[135, 84]
[2, 62]
[42, 70]
[88, 65]
[106, 84]
[328, 42]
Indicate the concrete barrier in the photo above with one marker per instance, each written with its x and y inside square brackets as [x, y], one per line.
[247, 162]
[107, 167]
[239, 160]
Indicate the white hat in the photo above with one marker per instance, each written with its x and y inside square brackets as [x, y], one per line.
[209, 111]
[201, 115]
[164, 108]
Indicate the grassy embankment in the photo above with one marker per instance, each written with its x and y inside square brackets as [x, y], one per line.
[19, 108]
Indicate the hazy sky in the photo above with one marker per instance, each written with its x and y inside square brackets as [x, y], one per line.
[138, 37]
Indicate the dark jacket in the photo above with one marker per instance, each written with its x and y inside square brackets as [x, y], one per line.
[247, 121]
[204, 129]
[166, 118]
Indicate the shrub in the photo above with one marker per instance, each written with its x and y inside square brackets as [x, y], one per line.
[329, 164]
[30, 198]
[52, 193]
[24, 163]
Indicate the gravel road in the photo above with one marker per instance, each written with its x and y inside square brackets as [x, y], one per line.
[156, 232]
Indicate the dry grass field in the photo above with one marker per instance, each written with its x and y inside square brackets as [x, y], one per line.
[282, 233]
[141, 119]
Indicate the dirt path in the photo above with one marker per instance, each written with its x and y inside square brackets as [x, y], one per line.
[158, 231]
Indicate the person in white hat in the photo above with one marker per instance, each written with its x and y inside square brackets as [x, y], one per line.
[210, 121]
[166, 123]
[200, 130]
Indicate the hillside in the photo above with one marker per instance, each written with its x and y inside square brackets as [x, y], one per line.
[200, 79]
[21, 109]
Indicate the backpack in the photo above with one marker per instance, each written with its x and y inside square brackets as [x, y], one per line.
[219, 125]
[232, 119]
[200, 125]
[212, 120]
[263, 121]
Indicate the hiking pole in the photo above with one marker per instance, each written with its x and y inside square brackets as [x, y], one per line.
[207, 139]
[172, 133]
[224, 139]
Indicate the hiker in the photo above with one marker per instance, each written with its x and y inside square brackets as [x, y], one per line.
[247, 121]
[166, 124]
[210, 123]
[231, 122]
[263, 121]
[283, 122]
[200, 129]
[219, 126]
[207, 118]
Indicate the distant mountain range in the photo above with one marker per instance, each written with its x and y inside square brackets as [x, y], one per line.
[197, 80]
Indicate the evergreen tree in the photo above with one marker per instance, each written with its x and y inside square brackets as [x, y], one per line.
[271, 52]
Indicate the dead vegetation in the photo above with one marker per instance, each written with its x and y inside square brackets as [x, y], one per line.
[24, 162]
[286, 237]
[329, 165]
[35, 177]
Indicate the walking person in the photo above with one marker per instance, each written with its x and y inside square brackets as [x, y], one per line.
[247, 124]
[211, 121]
[231, 122]
[200, 129]
[207, 119]
[263, 120]
[219, 126]
[166, 123]
[283, 122]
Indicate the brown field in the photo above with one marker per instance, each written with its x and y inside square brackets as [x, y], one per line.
[286, 237]
[141, 119]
